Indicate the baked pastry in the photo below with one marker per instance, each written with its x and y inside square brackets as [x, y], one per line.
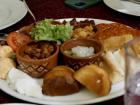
[105, 31]
[116, 42]
[60, 81]
[6, 64]
[94, 78]
[115, 35]
[6, 51]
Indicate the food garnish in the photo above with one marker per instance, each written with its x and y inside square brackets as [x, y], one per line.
[80, 51]
[49, 30]
[16, 39]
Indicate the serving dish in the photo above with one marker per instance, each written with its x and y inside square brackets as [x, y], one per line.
[78, 62]
[37, 68]
[81, 97]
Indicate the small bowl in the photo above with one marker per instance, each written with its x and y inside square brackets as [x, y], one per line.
[78, 62]
[36, 67]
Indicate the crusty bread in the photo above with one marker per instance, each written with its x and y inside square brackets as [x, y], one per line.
[60, 81]
[115, 35]
[105, 31]
[115, 42]
[94, 78]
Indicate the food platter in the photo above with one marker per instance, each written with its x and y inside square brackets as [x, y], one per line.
[82, 97]
[123, 6]
[11, 11]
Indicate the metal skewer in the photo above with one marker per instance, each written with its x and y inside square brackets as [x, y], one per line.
[33, 16]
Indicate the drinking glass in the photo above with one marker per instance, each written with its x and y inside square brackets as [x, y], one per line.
[132, 73]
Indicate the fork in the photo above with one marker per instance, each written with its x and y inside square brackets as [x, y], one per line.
[31, 13]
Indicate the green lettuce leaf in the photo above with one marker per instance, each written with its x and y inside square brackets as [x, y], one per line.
[45, 30]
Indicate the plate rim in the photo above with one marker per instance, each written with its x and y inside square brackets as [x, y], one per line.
[44, 102]
[127, 13]
[21, 7]
[41, 101]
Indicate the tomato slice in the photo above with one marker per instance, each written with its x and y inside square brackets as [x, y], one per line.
[16, 39]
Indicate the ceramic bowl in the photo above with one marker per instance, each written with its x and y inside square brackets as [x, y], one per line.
[36, 67]
[78, 62]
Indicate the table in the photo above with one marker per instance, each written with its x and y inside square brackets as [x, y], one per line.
[56, 9]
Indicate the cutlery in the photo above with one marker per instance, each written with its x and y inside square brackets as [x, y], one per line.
[28, 9]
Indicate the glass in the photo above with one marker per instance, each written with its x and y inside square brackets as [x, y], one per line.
[132, 75]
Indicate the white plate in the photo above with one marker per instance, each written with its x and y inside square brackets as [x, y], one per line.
[124, 7]
[11, 11]
[82, 97]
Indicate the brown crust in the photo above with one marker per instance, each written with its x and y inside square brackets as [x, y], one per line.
[94, 78]
[60, 81]
[105, 31]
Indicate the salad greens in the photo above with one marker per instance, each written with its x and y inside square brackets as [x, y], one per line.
[45, 30]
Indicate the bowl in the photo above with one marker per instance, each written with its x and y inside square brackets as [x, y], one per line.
[78, 62]
[36, 58]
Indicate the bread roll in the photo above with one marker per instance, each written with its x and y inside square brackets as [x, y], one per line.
[60, 81]
[94, 78]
